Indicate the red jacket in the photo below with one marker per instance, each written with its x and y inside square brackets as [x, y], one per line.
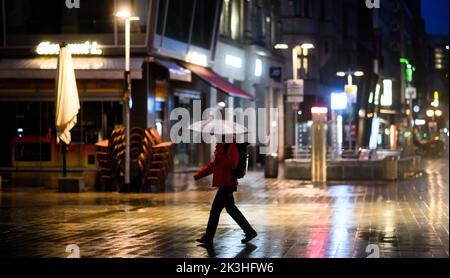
[222, 166]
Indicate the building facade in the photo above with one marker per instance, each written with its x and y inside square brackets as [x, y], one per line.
[346, 36]
[183, 52]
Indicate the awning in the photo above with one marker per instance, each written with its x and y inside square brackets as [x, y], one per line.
[85, 68]
[176, 72]
[216, 81]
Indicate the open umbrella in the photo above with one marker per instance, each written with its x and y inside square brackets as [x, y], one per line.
[67, 101]
[219, 127]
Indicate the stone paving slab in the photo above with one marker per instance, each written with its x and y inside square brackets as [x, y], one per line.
[294, 219]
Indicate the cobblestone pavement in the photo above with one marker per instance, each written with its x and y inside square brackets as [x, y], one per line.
[293, 219]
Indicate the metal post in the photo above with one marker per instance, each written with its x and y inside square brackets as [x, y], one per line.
[64, 154]
[126, 105]
[334, 135]
[319, 146]
[350, 114]
[294, 63]
[410, 124]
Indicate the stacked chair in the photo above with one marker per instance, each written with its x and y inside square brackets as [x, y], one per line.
[151, 160]
[160, 159]
[105, 166]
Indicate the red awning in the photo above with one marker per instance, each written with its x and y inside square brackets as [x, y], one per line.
[216, 81]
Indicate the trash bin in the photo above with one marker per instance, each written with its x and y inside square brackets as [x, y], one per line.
[271, 167]
[390, 168]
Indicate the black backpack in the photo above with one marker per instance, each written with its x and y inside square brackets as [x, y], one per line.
[241, 169]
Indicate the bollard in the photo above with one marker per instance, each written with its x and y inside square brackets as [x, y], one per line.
[271, 167]
[390, 168]
[319, 144]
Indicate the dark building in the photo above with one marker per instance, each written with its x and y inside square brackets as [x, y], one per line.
[348, 36]
[167, 32]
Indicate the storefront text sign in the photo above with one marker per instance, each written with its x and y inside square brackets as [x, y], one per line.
[86, 48]
[410, 93]
[295, 90]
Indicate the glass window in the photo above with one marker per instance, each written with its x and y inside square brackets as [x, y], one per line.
[179, 19]
[33, 17]
[204, 23]
[161, 16]
[96, 17]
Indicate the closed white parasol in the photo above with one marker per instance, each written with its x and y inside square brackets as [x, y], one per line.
[67, 101]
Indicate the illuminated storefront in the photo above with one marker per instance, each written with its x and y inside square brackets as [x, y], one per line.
[162, 71]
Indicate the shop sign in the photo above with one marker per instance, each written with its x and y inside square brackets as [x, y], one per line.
[410, 93]
[295, 90]
[86, 48]
[352, 92]
[275, 73]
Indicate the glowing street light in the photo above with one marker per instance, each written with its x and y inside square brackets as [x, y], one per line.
[281, 46]
[430, 113]
[352, 91]
[307, 46]
[126, 15]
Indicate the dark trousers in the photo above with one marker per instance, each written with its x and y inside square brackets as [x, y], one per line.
[224, 199]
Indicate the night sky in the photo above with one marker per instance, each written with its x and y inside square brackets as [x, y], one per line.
[435, 13]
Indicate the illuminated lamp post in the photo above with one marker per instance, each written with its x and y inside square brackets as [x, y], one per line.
[352, 93]
[126, 15]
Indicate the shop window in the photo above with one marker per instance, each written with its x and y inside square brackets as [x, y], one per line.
[33, 152]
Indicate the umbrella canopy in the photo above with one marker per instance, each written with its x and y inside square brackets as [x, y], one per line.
[67, 101]
[220, 127]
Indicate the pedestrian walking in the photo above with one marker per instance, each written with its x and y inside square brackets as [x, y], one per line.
[223, 168]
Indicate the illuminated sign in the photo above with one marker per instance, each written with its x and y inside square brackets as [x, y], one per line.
[233, 61]
[319, 110]
[386, 97]
[420, 122]
[258, 67]
[197, 58]
[435, 102]
[86, 48]
[373, 144]
[352, 91]
[338, 101]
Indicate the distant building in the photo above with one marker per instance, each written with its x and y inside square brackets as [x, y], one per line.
[347, 35]
[245, 56]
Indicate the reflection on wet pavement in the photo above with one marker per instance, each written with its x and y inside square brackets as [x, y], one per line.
[293, 219]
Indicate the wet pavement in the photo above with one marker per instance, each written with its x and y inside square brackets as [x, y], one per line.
[294, 219]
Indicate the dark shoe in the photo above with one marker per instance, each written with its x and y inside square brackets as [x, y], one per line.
[205, 240]
[249, 236]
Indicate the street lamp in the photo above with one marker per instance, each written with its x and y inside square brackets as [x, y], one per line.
[295, 86]
[303, 49]
[430, 113]
[126, 15]
[351, 90]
